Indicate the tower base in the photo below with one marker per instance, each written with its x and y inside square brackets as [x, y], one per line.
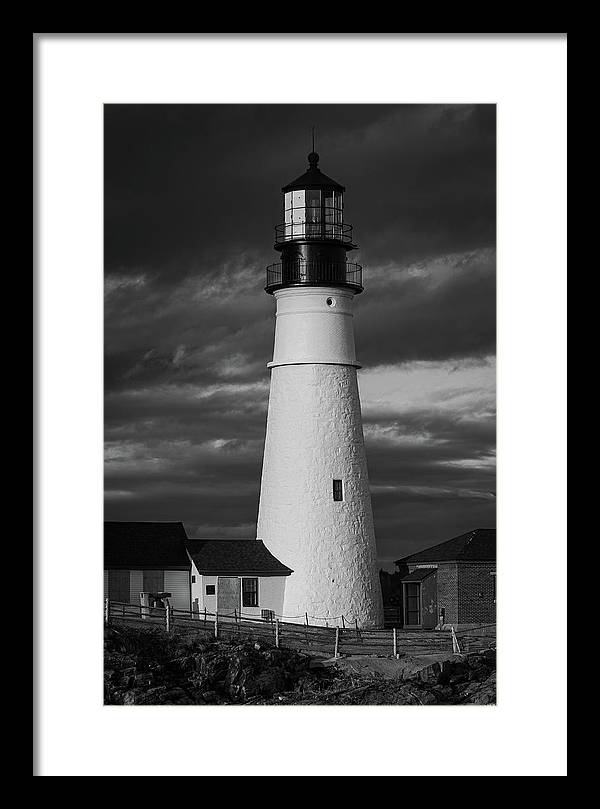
[314, 437]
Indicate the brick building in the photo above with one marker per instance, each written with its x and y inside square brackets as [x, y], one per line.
[451, 583]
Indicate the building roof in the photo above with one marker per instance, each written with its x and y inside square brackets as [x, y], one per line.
[419, 574]
[474, 546]
[313, 178]
[145, 545]
[222, 557]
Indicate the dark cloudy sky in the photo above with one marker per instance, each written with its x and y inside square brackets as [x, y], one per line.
[192, 194]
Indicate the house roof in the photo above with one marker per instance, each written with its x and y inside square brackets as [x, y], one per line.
[419, 574]
[474, 546]
[313, 178]
[145, 545]
[222, 557]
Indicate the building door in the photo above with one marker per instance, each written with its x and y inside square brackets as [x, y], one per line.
[228, 595]
[118, 586]
[412, 603]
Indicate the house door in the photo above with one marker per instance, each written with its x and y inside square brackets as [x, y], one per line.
[153, 581]
[228, 595]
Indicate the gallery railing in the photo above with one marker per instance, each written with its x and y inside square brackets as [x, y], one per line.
[298, 272]
[316, 224]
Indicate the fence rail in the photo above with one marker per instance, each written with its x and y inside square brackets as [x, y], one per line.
[331, 640]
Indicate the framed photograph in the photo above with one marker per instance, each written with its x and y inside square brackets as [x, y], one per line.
[269, 324]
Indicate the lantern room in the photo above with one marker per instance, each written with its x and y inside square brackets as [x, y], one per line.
[313, 238]
[313, 208]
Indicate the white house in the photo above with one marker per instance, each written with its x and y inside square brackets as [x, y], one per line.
[236, 577]
[146, 557]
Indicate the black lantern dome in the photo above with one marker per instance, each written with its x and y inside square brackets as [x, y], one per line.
[313, 239]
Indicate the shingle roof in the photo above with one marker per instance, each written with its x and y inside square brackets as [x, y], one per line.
[145, 545]
[474, 546]
[419, 574]
[222, 557]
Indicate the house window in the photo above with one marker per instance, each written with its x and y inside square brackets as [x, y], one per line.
[210, 590]
[338, 491]
[412, 603]
[249, 592]
[193, 579]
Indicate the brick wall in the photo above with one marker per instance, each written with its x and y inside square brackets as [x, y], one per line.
[476, 593]
[447, 582]
[465, 591]
[447, 589]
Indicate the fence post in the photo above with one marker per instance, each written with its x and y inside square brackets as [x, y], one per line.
[395, 643]
[277, 633]
[306, 616]
[204, 614]
[336, 651]
[235, 616]
[216, 624]
[343, 623]
[455, 646]
[356, 623]
[168, 618]
[106, 610]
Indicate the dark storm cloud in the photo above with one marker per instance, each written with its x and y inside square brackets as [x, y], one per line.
[192, 194]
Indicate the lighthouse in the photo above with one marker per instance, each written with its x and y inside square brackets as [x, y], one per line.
[315, 510]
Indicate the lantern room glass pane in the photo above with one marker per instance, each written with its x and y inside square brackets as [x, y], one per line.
[288, 214]
[328, 204]
[313, 213]
[298, 213]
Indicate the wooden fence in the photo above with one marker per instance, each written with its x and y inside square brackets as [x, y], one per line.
[334, 641]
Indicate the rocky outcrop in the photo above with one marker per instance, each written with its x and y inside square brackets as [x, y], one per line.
[149, 667]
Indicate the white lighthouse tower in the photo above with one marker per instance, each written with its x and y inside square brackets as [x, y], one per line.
[315, 506]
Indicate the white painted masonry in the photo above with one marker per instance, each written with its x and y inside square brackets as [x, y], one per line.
[314, 324]
[314, 435]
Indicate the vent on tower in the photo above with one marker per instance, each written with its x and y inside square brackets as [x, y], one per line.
[338, 490]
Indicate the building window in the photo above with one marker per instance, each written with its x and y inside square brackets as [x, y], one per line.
[412, 603]
[338, 490]
[210, 590]
[249, 592]
[193, 579]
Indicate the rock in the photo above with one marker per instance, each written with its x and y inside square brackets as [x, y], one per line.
[175, 696]
[482, 693]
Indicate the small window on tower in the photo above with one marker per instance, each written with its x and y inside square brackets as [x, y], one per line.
[338, 490]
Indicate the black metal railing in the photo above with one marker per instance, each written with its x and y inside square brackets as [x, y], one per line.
[298, 272]
[319, 230]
